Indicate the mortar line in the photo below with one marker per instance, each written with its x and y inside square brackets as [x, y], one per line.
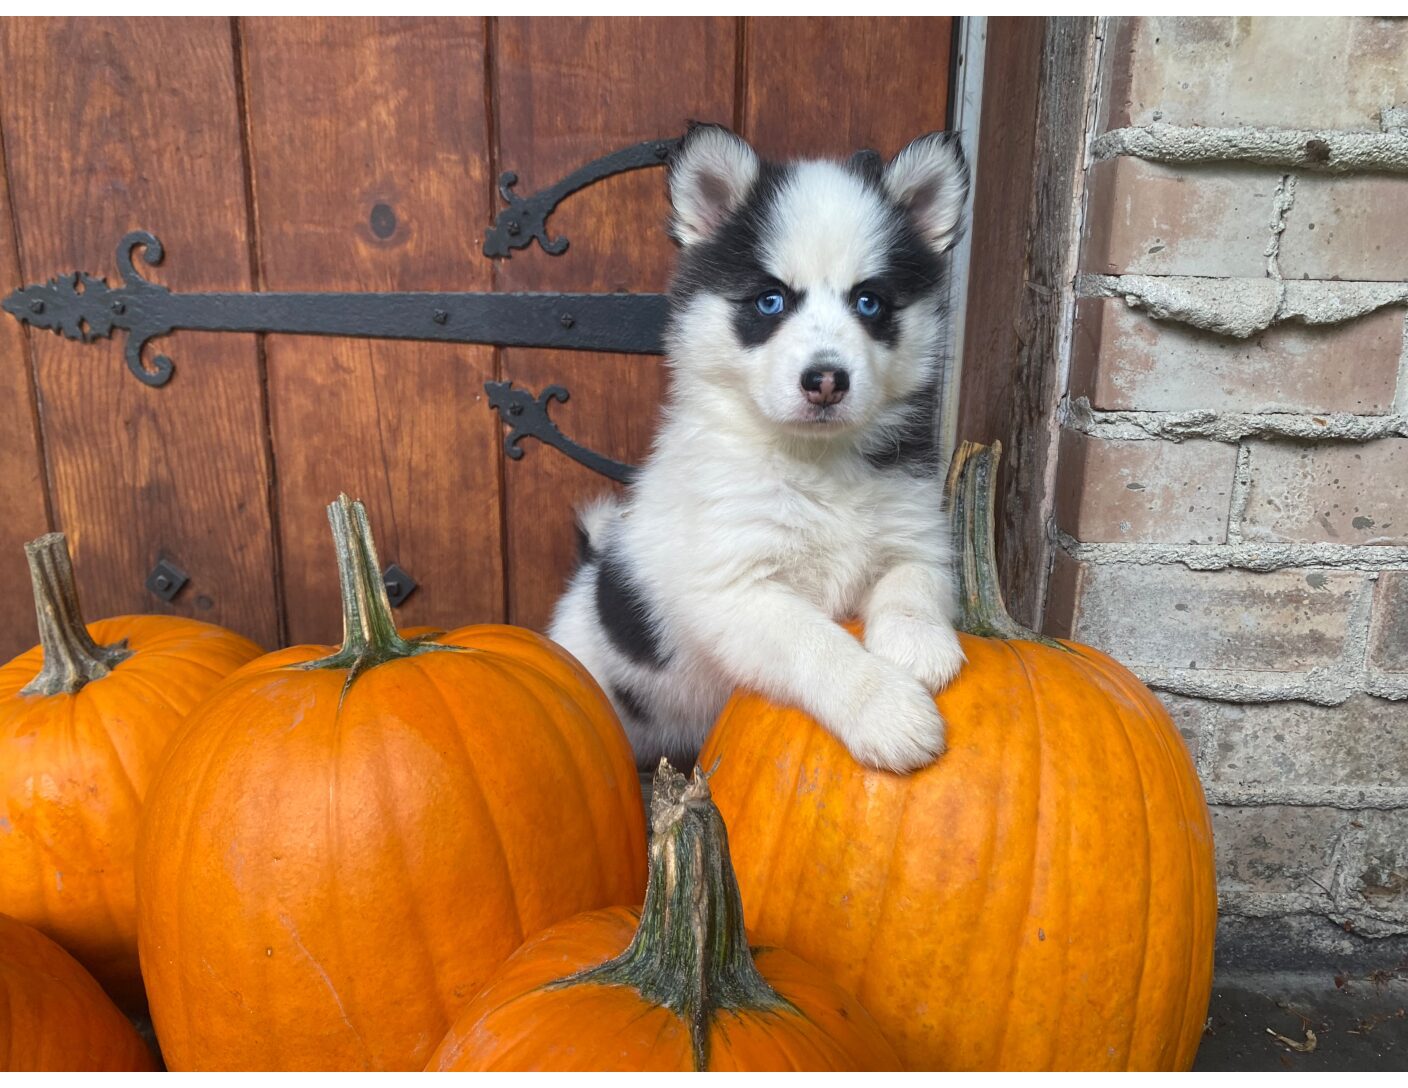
[1242, 306]
[1282, 201]
[1400, 392]
[1331, 151]
[1356, 637]
[1263, 794]
[1259, 556]
[1231, 426]
[1241, 491]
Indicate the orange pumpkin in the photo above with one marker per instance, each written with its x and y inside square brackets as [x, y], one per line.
[344, 842]
[1041, 897]
[671, 986]
[84, 718]
[53, 1014]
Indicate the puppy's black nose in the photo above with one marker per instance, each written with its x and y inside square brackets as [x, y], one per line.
[825, 387]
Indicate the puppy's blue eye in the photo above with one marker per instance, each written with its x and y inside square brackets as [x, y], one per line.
[770, 303]
[867, 304]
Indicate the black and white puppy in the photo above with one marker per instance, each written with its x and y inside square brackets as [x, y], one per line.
[794, 481]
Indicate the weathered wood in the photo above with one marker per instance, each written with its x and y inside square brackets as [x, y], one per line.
[111, 125]
[361, 155]
[568, 90]
[828, 86]
[23, 486]
[371, 172]
[1035, 96]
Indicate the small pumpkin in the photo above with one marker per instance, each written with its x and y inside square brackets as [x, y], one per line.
[686, 993]
[84, 718]
[53, 1014]
[344, 841]
[1041, 897]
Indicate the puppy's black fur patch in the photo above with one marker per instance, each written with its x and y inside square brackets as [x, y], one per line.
[910, 446]
[624, 615]
[730, 262]
[627, 699]
[585, 552]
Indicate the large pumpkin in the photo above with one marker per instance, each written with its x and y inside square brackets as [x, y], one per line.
[84, 718]
[1041, 897]
[670, 986]
[54, 1016]
[344, 842]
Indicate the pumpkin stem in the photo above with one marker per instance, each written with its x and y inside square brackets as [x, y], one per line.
[690, 952]
[71, 657]
[972, 490]
[369, 635]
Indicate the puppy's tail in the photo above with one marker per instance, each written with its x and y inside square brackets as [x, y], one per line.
[594, 521]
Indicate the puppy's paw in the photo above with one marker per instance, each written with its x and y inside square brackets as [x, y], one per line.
[927, 650]
[899, 728]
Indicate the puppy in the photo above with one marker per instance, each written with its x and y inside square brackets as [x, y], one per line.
[795, 480]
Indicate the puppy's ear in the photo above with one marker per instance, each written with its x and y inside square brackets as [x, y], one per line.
[710, 174]
[929, 180]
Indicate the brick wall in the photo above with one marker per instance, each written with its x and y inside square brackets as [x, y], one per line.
[1231, 502]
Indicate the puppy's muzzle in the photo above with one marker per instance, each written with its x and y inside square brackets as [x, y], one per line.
[825, 387]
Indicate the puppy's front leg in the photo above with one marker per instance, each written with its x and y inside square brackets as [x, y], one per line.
[769, 638]
[909, 621]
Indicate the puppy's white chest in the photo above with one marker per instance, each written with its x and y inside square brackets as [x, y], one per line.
[834, 547]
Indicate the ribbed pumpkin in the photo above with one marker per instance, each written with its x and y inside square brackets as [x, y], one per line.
[344, 842]
[1041, 897]
[53, 1014]
[670, 986]
[84, 718]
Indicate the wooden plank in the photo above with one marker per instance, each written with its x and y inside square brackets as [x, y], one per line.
[111, 125]
[23, 487]
[569, 90]
[828, 86]
[371, 174]
[1036, 91]
[1001, 205]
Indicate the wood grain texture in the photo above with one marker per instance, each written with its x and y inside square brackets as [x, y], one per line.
[1001, 213]
[371, 174]
[23, 484]
[828, 86]
[570, 90]
[111, 125]
[1035, 91]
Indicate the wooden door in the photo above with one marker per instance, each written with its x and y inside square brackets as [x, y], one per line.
[362, 155]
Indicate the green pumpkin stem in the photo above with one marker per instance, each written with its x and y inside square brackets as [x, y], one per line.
[369, 635]
[690, 952]
[71, 657]
[972, 491]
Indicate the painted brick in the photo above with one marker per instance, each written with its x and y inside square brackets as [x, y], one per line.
[1280, 72]
[1371, 870]
[1276, 848]
[1191, 716]
[1350, 493]
[1388, 631]
[1162, 492]
[1361, 743]
[1189, 221]
[1124, 359]
[1172, 617]
[1347, 228]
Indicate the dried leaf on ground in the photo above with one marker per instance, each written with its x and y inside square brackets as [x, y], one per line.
[1311, 1042]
